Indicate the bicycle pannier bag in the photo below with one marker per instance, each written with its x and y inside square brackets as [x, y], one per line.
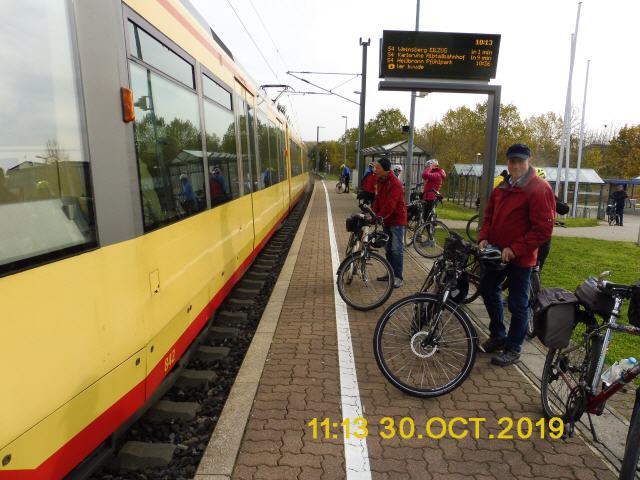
[591, 297]
[554, 313]
[634, 306]
[355, 222]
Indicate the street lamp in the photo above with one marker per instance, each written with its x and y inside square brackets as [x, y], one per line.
[345, 138]
[318, 147]
[478, 155]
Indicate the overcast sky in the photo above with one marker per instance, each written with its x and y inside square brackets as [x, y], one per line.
[533, 63]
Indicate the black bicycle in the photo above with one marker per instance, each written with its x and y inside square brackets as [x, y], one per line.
[429, 237]
[425, 344]
[571, 378]
[365, 278]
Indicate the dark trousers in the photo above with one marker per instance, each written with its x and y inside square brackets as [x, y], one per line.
[619, 215]
[395, 248]
[490, 288]
[427, 207]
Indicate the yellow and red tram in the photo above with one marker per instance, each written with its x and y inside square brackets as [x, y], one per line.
[120, 236]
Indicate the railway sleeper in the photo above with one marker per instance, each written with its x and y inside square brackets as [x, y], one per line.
[231, 319]
[217, 333]
[167, 410]
[252, 284]
[140, 455]
[206, 353]
[246, 292]
[200, 379]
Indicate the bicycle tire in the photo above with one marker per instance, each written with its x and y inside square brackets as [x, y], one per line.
[357, 282]
[430, 243]
[412, 225]
[611, 219]
[389, 332]
[473, 228]
[474, 274]
[534, 289]
[631, 456]
[559, 364]
[339, 187]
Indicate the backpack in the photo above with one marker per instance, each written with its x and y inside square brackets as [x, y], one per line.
[554, 315]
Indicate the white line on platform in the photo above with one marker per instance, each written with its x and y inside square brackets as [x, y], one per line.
[356, 455]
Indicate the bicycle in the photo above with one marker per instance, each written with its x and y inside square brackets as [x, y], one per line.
[612, 216]
[429, 237]
[473, 228]
[571, 378]
[414, 219]
[425, 344]
[341, 186]
[365, 278]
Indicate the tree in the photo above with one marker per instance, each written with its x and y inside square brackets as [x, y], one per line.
[622, 158]
[385, 128]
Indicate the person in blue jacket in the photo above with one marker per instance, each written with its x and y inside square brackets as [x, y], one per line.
[346, 174]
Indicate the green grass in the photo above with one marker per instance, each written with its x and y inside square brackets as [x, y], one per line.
[572, 260]
[453, 211]
[580, 222]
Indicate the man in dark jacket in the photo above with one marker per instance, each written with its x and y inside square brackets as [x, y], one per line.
[433, 177]
[619, 197]
[518, 219]
[389, 204]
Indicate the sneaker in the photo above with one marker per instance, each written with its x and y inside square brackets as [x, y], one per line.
[505, 358]
[492, 345]
[397, 282]
[383, 278]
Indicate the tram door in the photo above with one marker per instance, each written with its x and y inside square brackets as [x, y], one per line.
[246, 144]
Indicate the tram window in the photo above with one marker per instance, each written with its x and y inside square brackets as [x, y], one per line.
[224, 183]
[46, 202]
[215, 92]
[281, 156]
[253, 151]
[244, 146]
[295, 159]
[168, 148]
[273, 153]
[153, 52]
[267, 173]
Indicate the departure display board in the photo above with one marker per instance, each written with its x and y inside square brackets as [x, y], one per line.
[462, 56]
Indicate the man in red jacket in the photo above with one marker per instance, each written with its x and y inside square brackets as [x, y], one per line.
[389, 204]
[518, 219]
[433, 177]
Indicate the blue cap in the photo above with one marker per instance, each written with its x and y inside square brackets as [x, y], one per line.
[519, 150]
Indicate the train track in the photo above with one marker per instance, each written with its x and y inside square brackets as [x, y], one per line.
[167, 439]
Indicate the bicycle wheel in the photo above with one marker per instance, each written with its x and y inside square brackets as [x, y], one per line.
[412, 225]
[632, 447]
[474, 274]
[429, 239]
[563, 370]
[339, 187]
[423, 347]
[358, 283]
[534, 289]
[473, 228]
[611, 218]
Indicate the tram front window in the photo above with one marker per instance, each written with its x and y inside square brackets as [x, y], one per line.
[46, 204]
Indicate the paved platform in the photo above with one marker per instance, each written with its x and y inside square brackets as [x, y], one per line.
[302, 372]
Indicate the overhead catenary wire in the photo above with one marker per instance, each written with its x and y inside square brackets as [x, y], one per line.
[295, 126]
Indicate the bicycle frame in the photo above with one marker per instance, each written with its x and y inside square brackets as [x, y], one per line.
[595, 402]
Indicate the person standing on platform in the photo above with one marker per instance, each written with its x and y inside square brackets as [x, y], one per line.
[433, 177]
[368, 186]
[619, 197]
[346, 174]
[518, 219]
[389, 204]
